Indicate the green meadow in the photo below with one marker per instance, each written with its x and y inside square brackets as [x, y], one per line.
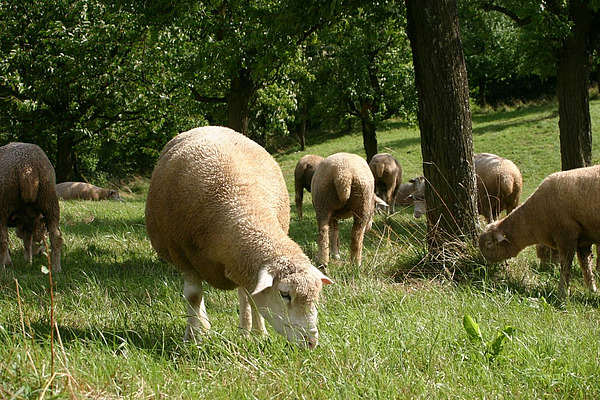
[389, 329]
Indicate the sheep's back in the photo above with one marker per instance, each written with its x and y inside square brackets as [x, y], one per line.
[567, 197]
[26, 176]
[208, 185]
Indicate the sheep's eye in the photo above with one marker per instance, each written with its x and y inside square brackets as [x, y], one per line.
[285, 296]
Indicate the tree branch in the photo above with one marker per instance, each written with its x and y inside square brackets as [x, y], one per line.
[205, 99]
[510, 14]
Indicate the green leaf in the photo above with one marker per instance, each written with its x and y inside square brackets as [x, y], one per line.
[45, 270]
[472, 329]
[495, 346]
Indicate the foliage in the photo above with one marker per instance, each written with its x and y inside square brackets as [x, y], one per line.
[491, 348]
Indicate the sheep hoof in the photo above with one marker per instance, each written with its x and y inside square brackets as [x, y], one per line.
[322, 268]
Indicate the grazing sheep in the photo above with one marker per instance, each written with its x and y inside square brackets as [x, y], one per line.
[27, 180]
[563, 213]
[343, 187]
[499, 185]
[218, 210]
[303, 174]
[388, 177]
[413, 193]
[85, 191]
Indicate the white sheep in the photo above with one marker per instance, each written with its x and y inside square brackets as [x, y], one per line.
[218, 210]
[28, 200]
[499, 185]
[413, 193]
[343, 187]
[303, 173]
[563, 213]
[85, 191]
[388, 177]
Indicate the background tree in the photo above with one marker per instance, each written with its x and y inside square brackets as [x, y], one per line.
[364, 60]
[568, 32]
[444, 120]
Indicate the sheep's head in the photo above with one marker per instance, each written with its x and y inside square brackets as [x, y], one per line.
[288, 301]
[114, 195]
[494, 244]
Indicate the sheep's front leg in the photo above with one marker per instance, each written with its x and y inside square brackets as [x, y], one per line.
[357, 235]
[584, 254]
[250, 318]
[334, 238]
[197, 319]
[56, 241]
[4, 254]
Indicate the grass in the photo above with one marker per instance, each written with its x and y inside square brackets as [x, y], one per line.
[389, 329]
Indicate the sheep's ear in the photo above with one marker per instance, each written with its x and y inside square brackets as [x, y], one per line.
[265, 280]
[501, 237]
[380, 202]
[324, 279]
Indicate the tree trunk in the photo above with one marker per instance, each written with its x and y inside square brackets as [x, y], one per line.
[575, 63]
[238, 101]
[302, 129]
[368, 131]
[444, 121]
[64, 158]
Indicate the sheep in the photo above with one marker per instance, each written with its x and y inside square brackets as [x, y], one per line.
[413, 193]
[27, 180]
[303, 174]
[388, 177]
[563, 213]
[343, 187]
[499, 185]
[85, 191]
[218, 210]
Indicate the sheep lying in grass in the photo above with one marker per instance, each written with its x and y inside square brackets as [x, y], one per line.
[343, 187]
[28, 200]
[499, 185]
[219, 211]
[85, 191]
[563, 213]
[413, 193]
[388, 177]
[303, 173]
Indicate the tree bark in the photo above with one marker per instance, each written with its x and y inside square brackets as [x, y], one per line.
[64, 158]
[444, 121]
[369, 132]
[238, 101]
[574, 67]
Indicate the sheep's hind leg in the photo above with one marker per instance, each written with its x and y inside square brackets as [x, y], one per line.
[4, 253]
[357, 236]
[197, 319]
[250, 318]
[334, 239]
[584, 254]
[565, 256]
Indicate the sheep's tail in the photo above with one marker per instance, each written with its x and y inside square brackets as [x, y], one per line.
[29, 184]
[379, 168]
[343, 185]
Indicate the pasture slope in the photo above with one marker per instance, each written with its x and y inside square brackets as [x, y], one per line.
[385, 334]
